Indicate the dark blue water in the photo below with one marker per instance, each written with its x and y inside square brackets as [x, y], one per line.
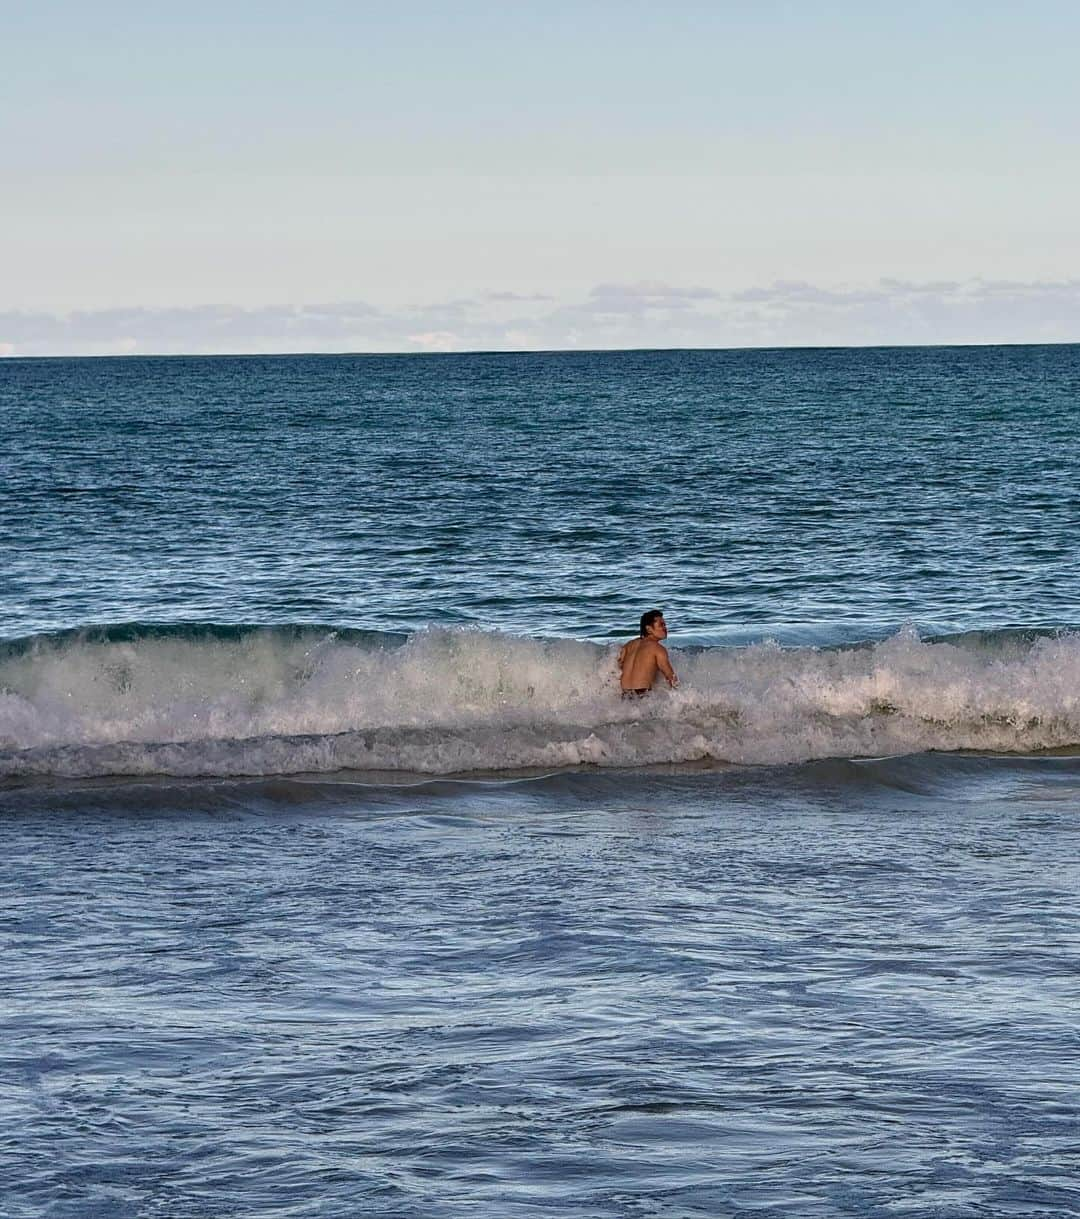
[554, 494]
[336, 880]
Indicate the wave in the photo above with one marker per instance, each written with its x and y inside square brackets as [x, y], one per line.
[235, 701]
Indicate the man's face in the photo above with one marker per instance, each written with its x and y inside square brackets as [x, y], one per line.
[657, 628]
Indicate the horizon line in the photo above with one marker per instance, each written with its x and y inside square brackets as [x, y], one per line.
[13, 357]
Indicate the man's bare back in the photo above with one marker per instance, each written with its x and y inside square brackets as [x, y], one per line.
[641, 659]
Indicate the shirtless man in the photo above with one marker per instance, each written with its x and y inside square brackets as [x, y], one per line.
[642, 658]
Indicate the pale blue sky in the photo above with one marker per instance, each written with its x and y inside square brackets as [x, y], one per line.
[412, 160]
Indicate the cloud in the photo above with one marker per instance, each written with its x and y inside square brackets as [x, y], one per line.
[645, 296]
[797, 293]
[204, 324]
[518, 297]
[900, 311]
[642, 313]
[436, 340]
[653, 290]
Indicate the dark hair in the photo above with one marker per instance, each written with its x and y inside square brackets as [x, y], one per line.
[648, 618]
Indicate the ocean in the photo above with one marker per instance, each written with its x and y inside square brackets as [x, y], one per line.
[337, 880]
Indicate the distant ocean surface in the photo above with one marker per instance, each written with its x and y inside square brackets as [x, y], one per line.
[335, 878]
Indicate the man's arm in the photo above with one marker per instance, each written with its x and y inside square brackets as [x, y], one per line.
[664, 665]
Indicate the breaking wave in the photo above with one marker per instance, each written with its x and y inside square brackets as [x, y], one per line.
[235, 701]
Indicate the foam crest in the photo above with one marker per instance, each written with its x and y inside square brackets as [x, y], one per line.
[288, 700]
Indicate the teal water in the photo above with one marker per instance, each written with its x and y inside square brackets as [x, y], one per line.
[335, 879]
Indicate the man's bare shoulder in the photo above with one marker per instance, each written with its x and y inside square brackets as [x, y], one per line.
[633, 646]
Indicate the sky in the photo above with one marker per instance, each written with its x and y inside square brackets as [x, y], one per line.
[522, 175]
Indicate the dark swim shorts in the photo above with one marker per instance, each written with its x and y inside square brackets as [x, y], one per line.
[635, 693]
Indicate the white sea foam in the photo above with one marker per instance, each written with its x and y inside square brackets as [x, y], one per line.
[278, 701]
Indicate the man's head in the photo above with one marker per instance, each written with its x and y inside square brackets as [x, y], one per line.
[653, 625]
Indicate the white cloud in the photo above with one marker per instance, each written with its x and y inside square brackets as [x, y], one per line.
[898, 311]
[527, 298]
[435, 340]
[634, 314]
[646, 295]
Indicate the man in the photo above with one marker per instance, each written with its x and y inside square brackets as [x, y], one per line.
[641, 659]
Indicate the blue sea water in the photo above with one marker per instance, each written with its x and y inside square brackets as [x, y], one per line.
[336, 880]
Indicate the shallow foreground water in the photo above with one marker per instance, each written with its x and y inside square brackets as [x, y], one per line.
[840, 989]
